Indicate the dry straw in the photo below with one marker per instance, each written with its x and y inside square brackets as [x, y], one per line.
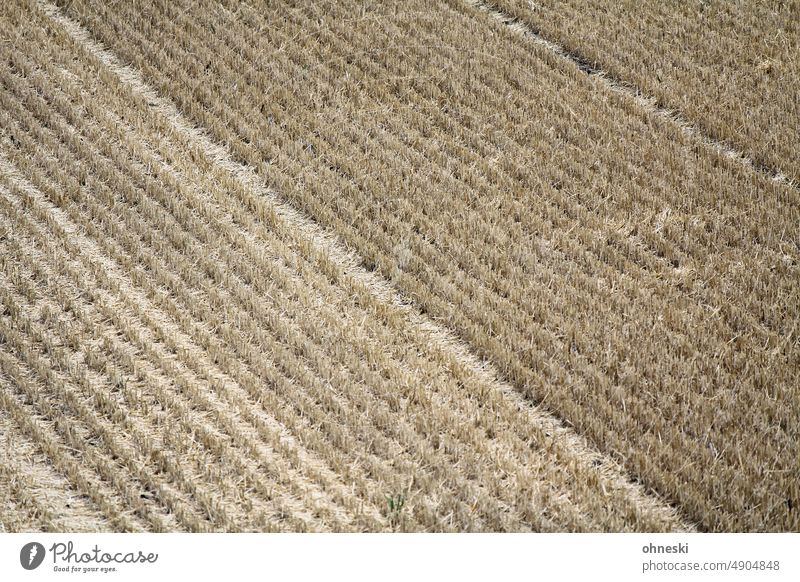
[192, 353]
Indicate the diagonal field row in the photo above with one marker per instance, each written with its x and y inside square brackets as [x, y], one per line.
[635, 282]
[731, 68]
[185, 356]
[34, 495]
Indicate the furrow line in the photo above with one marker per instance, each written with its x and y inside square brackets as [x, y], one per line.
[646, 102]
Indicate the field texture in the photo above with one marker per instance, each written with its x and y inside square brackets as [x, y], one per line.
[730, 68]
[380, 266]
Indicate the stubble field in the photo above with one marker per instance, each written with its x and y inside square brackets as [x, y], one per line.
[403, 266]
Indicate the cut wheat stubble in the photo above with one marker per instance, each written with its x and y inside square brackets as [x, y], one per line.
[735, 277]
[733, 73]
[394, 312]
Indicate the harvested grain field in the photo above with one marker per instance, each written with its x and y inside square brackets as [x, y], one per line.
[729, 68]
[342, 266]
